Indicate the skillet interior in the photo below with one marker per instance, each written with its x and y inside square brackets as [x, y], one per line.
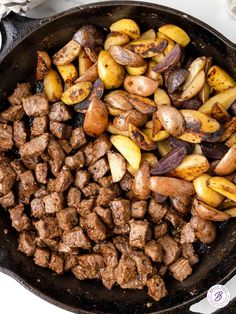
[217, 262]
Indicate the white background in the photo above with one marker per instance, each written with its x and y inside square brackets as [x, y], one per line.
[13, 297]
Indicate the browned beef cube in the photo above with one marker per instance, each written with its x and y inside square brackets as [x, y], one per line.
[17, 166]
[57, 157]
[65, 144]
[6, 134]
[138, 233]
[53, 203]
[7, 200]
[59, 112]
[106, 195]
[89, 266]
[120, 211]
[157, 211]
[23, 197]
[104, 214]
[28, 182]
[21, 91]
[76, 238]
[27, 243]
[160, 230]
[13, 113]
[31, 163]
[7, 178]
[106, 182]
[41, 192]
[138, 209]
[36, 105]
[99, 148]
[108, 275]
[99, 169]
[75, 161]
[109, 253]
[63, 180]
[37, 208]
[174, 219]
[52, 244]
[86, 206]
[70, 261]
[131, 196]
[41, 172]
[48, 228]
[42, 257]
[19, 133]
[56, 263]
[122, 244]
[181, 203]
[35, 147]
[188, 234]
[153, 249]
[121, 230]
[162, 270]
[73, 197]
[126, 270]
[91, 189]
[60, 130]
[82, 178]
[67, 218]
[39, 126]
[126, 182]
[189, 253]
[95, 228]
[180, 269]
[171, 249]
[156, 288]
[77, 138]
[19, 219]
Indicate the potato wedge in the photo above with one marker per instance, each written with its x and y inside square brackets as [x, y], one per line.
[150, 158]
[154, 75]
[170, 61]
[194, 87]
[225, 98]
[137, 70]
[227, 204]
[160, 136]
[128, 149]
[161, 98]
[68, 73]
[208, 212]
[229, 129]
[158, 58]
[126, 57]
[140, 185]
[172, 120]
[148, 48]
[141, 139]
[191, 136]
[84, 62]
[117, 165]
[175, 79]
[171, 186]
[113, 111]
[140, 85]
[149, 124]
[231, 212]
[89, 36]
[163, 147]
[92, 54]
[43, 65]
[195, 67]
[219, 113]
[219, 79]
[52, 86]
[227, 165]
[90, 75]
[150, 34]
[204, 193]
[110, 72]
[223, 186]
[204, 93]
[231, 140]
[67, 54]
[126, 26]
[191, 167]
[113, 130]
[142, 104]
[76, 93]
[119, 99]
[115, 39]
[135, 117]
[156, 124]
[175, 33]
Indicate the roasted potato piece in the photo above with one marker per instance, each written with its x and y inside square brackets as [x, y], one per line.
[150, 34]
[156, 124]
[89, 36]
[175, 142]
[67, 54]
[126, 57]
[43, 65]
[115, 39]
[160, 136]
[110, 72]
[219, 79]
[204, 193]
[219, 113]
[76, 93]
[227, 165]
[113, 111]
[204, 229]
[52, 86]
[148, 48]
[194, 87]
[223, 186]
[84, 62]
[163, 147]
[170, 60]
[161, 98]
[208, 212]
[229, 129]
[113, 130]
[137, 70]
[117, 165]
[140, 85]
[140, 185]
[158, 57]
[119, 99]
[175, 33]
[227, 204]
[92, 54]
[128, 149]
[172, 120]
[231, 212]
[192, 137]
[150, 158]
[126, 26]
[68, 73]
[152, 74]
[195, 67]
[204, 93]
[141, 139]
[175, 79]
[142, 104]
[231, 140]
[90, 75]
[135, 117]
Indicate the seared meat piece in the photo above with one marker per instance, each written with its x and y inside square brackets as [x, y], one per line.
[99, 169]
[153, 249]
[157, 211]
[156, 288]
[171, 249]
[6, 141]
[52, 244]
[13, 113]
[108, 275]
[42, 257]
[36, 105]
[89, 266]
[65, 144]
[120, 211]
[19, 220]
[95, 228]
[106, 195]
[104, 214]
[67, 218]
[181, 203]
[109, 253]
[23, 197]
[162, 270]
[180, 269]
[205, 230]
[189, 253]
[121, 230]
[81, 178]
[20, 92]
[138, 232]
[138, 209]
[70, 261]
[73, 197]
[106, 182]
[187, 234]
[91, 189]
[48, 228]
[126, 182]
[35, 147]
[53, 203]
[60, 130]
[7, 178]
[17, 166]
[57, 157]
[160, 230]
[63, 180]
[28, 182]
[76, 238]
[86, 206]
[19, 133]
[59, 112]
[76, 161]
[37, 208]
[77, 138]
[39, 126]
[62, 248]
[41, 192]
[174, 219]
[56, 263]
[27, 243]
[7, 200]
[31, 163]
[41, 172]
[122, 244]
[126, 270]
[98, 149]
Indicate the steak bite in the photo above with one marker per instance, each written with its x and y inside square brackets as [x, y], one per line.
[60, 130]
[153, 249]
[27, 243]
[156, 288]
[181, 203]
[76, 238]
[28, 182]
[57, 157]
[19, 133]
[63, 180]
[56, 263]
[39, 126]
[106, 182]
[171, 249]
[36, 105]
[139, 233]
[82, 178]
[122, 244]
[65, 144]
[189, 253]
[35, 147]
[180, 269]
[67, 218]
[98, 149]
[20, 92]
[173, 217]
[104, 214]
[160, 230]
[19, 219]
[95, 228]
[73, 197]
[17, 166]
[59, 112]
[157, 211]
[47, 228]
[188, 234]
[37, 208]
[86, 206]
[7, 200]
[138, 209]
[41, 172]
[76, 161]
[126, 269]
[126, 182]
[89, 266]
[42, 257]
[120, 211]
[13, 113]
[7, 178]
[99, 169]
[53, 203]
[6, 137]
[77, 138]
[91, 189]
[106, 195]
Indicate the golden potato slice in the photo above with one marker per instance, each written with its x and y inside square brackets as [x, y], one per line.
[90, 75]
[204, 93]
[229, 129]
[43, 65]
[113, 111]
[142, 104]
[191, 136]
[126, 26]
[172, 120]
[197, 150]
[67, 54]
[150, 158]
[150, 34]
[227, 204]
[231, 212]
[131, 170]
[113, 130]
[219, 79]
[137, 70]
[140, 85]
[76, 93]
[175, 33]
[208, 212]
[219, 113]
[126, 57]
[163, 147]
[115, 39]
[158, 57]
[128, 149]
[223, 186]
[231, 140]
[135, 117]
[84, 62]
[117, 165]
[52, 86]
[191, 167]
[204, 193]
[227, 165]
[148, 48]
[149, 124]
[118, 99]
[160, 136]
[161, 98]
[68, 73]
[194, 87]
[156, 124]
[156, 76]
[141, 139]
[140, 185]
[195, 67]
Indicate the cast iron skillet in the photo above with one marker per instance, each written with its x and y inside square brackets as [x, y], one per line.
[21, 39]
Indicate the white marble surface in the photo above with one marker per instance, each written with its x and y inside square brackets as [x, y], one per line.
[14, 298]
